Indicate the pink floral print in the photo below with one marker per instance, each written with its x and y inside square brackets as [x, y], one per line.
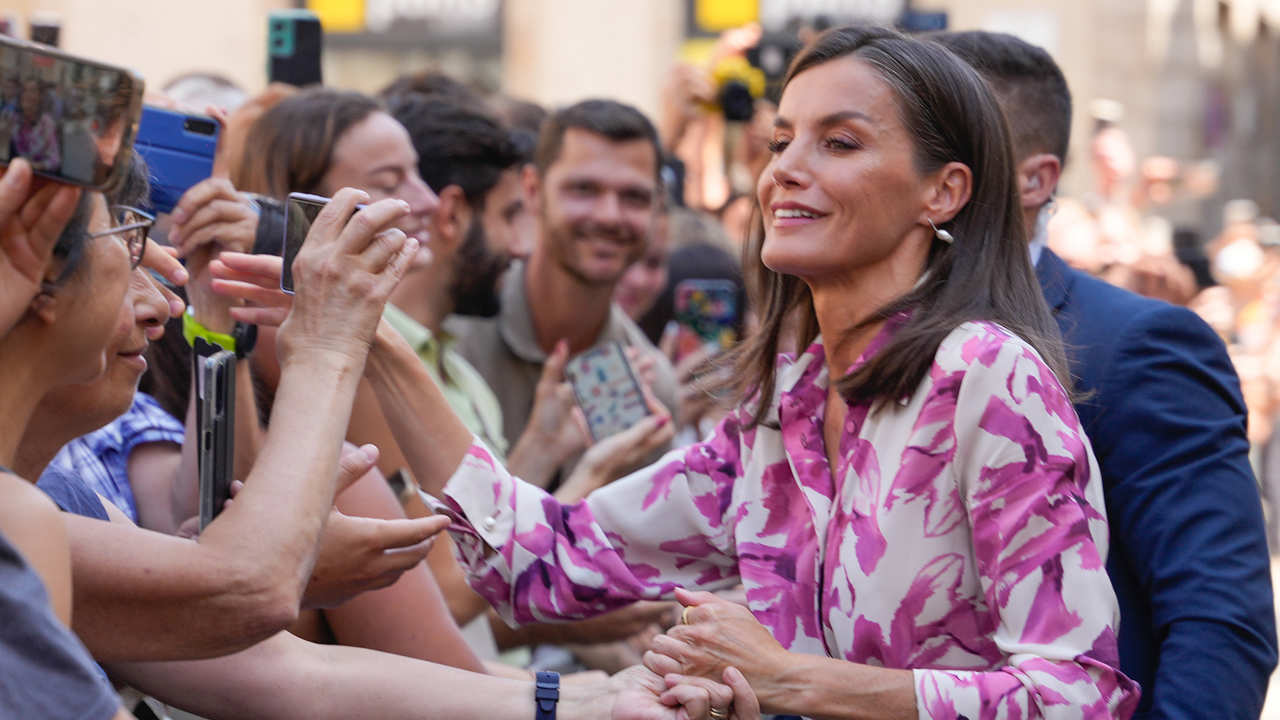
[962, 536]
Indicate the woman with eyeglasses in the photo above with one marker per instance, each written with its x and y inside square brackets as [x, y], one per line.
[246, 576]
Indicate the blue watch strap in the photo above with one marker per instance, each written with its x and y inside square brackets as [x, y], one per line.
[546, 695]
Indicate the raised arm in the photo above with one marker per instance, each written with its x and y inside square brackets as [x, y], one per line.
[245, 577]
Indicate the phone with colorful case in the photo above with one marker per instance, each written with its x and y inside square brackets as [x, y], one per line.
[707, 312]
[607, 390]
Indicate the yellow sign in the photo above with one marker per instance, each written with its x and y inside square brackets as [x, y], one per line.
[339, 15]
[719, 15]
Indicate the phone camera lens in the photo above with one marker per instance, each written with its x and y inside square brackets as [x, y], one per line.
[200, 126]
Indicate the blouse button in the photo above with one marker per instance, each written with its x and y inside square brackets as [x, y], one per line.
[491, 522]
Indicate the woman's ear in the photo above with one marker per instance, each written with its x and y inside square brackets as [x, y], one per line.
[950, 191]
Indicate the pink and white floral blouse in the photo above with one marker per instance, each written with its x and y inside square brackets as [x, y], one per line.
[963, 535]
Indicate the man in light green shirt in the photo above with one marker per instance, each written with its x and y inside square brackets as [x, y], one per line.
[467, 392]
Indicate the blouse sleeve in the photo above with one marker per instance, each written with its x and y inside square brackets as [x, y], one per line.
[534, 559]
[1033, 494]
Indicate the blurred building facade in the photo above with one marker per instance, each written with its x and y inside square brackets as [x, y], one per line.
[1199, 80]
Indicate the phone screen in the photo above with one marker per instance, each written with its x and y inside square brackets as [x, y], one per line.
[300, 211]
[607, 390]
[74, 120]
[707, 311]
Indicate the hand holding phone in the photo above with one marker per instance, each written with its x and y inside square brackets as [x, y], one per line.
[73, 119]
[607, 390]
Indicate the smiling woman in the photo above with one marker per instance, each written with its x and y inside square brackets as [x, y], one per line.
[909, 501]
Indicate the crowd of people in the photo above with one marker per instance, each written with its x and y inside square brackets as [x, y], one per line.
[907, 449]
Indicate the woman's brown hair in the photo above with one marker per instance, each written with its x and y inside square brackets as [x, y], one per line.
[290, 147]
[985, 274]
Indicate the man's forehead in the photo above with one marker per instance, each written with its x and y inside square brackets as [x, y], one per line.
[584, 151]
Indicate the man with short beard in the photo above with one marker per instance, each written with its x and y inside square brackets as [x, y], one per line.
[472, 164]
[597, 187]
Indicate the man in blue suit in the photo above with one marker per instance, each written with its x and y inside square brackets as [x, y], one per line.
[1162, 407]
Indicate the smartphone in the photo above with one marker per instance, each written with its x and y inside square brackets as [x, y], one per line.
[179, 150]
[300, 210]
[707, 312]
[295, 43]
[607, 390]
[73, 119]
[215, 425]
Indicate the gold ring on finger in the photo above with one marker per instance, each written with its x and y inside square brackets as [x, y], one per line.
[718, 714]
[684, 615]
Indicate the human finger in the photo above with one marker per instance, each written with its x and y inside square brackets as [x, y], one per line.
[667, 343]
[383, 249]
[56, 204]
[15, 186]
[59, 205]
[199, 196]
[236, 221]
[159, 259]
[354, 463]
[718, 696]
[746, 706]
[694, 701]
[333, 220]
[267, 317]
[252, 292]
[266, 267]
[394, 272]
[675, 649]
[364, 226]
[690, 598]
[660, 663]
[393, 535]
[553, 368]
[219, 237]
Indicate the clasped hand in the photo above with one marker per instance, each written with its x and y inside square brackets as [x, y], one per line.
[715, 635]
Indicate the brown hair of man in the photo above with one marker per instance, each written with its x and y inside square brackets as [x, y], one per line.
[614, 120]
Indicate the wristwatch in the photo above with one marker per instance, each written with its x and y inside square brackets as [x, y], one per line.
[547, 695]
[241, 340]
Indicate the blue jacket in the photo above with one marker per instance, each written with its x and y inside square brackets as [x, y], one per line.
[1188, 553]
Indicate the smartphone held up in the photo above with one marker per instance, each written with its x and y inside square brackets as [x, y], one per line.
[73, 119]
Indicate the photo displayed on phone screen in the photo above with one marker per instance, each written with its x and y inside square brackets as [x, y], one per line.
[74, 120]
[607, 390]
[300, 211]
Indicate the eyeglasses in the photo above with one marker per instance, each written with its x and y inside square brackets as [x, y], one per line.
[132, 226]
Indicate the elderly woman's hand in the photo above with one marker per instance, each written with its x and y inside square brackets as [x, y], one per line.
[30, 224]
[716, 634]
[346, 270]
[642, 695]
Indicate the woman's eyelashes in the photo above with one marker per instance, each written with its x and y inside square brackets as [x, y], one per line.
[835, 143]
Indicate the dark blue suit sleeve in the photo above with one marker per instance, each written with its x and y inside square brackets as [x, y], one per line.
[1186, 516]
